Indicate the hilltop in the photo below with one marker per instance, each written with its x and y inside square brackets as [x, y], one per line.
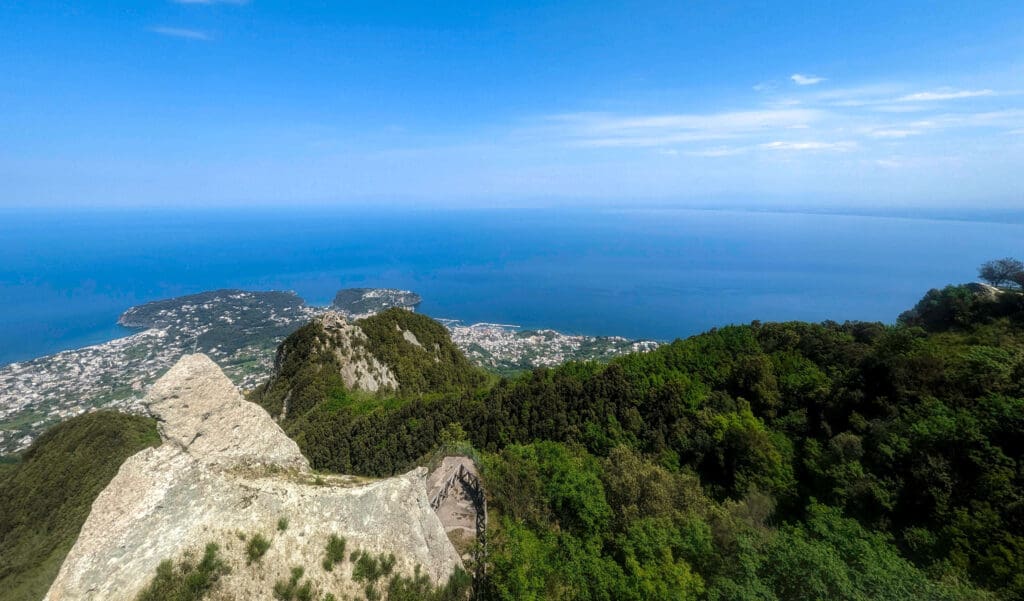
[46, 496]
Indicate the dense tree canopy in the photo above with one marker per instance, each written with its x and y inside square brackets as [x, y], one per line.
[769, 461]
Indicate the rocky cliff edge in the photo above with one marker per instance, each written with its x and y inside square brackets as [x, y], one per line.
[224, 473]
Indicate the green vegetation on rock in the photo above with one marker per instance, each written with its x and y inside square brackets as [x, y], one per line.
[186, 581]
[335, 552]
[46, 496]
[429, 364]
[294, 589]
[256, 548]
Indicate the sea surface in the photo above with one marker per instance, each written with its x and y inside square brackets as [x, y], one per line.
[65, 276]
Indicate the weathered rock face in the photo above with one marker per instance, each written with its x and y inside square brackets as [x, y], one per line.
[226, 470]
[360, 370]
[201, 411]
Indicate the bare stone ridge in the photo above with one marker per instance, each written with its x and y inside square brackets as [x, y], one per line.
[201, 411]
[208, 483]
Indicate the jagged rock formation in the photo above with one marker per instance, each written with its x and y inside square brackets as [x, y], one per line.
[457, 496]
[226, 470]
[200, 411]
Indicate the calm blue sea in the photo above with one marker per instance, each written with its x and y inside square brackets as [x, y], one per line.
[66, 276]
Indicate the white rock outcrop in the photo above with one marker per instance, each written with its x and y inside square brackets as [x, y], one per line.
[360, 370]
[226, 470]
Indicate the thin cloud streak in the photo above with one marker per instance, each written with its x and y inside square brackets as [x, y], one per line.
[894, 133]
[186, 34]
[865, 123]
[945, 94]
[602, 130]
[808, 145]
[806, 80]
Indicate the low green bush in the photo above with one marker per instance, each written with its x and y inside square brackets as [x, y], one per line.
[186, 581]
[256, 548]
[335, 552]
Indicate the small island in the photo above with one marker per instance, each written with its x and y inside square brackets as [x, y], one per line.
[357, 303]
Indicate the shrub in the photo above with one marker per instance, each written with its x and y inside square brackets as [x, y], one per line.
[335, 552]
[369, 569]
[187, 581]
[420, 588]
[282, 524]
[291, 589]
[256, 548]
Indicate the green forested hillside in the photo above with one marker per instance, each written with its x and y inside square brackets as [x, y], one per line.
[433, 365]
[45, 498]
[308, 371]
[768, 461]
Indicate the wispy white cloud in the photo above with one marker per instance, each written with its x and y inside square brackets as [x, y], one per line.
[806, 80]
[945, 94]
[888, 127]
[177, 32]
[894, 133]
[724, 151]
[808, 145]
[606, 130]
[898, 108]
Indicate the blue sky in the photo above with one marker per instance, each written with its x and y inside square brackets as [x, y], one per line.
[866, 104]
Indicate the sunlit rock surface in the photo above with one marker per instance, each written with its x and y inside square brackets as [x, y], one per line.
[227, 471]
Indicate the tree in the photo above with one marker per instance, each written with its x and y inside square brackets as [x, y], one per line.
[1018, 278]
[1000, 272]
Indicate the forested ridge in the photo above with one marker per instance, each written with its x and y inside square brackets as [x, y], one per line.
[766, 461]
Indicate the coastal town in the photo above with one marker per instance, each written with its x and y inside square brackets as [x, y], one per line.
[240, 330]
[507, 349]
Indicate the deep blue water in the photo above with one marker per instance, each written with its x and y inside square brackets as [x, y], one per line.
[66, 276]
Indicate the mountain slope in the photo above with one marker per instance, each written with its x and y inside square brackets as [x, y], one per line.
[45, 498]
